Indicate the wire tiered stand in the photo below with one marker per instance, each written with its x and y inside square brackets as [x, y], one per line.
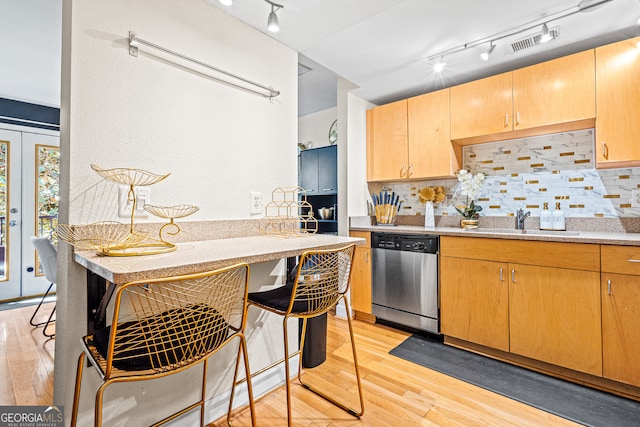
[112, 238]
[289, 214]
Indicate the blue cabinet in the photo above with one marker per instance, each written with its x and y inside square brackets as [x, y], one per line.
[318, 175]
[319, 170]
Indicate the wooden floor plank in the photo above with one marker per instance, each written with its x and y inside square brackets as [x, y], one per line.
[26, 362]
[397, 392]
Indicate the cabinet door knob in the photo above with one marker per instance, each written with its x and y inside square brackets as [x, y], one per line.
[513, 275]
[605, 150]
[501, 278]
[609, 287]
[402, 171]
[410, 171]
[506, 120]
[518, 118]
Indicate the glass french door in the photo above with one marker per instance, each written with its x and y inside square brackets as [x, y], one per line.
[29, 166]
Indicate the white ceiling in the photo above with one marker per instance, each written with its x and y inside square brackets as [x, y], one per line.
[383, 46]
[30, 43]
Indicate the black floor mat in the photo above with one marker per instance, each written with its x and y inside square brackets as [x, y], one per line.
[568, 400]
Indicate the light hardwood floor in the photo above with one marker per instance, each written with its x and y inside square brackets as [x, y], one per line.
[397, 392]
[26, 358]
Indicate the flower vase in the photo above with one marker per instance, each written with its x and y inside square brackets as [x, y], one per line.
[469, 223]
[429, 218]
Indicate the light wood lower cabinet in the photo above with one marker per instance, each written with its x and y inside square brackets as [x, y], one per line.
[621, 328]
[361, 275]
[554, 316]
[540, 300]
[620, 290]
[475, 301]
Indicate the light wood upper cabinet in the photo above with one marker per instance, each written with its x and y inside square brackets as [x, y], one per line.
[553, 93]
[482, 107]
[431, 153]
[361, 275]
[474, 297]
[411, 139]
[618, 104]
[557, 91]
[387, 142]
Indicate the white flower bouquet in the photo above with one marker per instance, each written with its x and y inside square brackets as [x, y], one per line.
[469, 186]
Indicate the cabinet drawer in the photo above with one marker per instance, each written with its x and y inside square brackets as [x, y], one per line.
[621, 259]
[362, 235]
[579, 256]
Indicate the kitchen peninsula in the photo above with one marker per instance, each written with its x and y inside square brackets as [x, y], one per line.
[191, 257]
[263, 332]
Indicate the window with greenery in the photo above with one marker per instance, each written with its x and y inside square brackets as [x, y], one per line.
[48, 190]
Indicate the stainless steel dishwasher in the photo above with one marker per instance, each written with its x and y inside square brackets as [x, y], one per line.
[405, 280]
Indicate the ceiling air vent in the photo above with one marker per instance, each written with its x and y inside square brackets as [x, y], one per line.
[531, 40]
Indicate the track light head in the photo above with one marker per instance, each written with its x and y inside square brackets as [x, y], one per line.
[486, 54]
[545, 34]
[273, 25]
[439, 65]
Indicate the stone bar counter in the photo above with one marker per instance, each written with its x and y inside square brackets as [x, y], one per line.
[192, 257]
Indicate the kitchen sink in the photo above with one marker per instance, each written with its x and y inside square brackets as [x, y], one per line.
[532, 232]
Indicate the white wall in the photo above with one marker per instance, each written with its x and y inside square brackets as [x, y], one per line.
[315, 127]
[218, 143]
[357, 191]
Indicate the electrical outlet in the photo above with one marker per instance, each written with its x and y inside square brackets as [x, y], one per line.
[125, 205]
[256, 203]
[635, 198]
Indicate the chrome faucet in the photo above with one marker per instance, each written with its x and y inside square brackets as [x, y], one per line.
[520, 217]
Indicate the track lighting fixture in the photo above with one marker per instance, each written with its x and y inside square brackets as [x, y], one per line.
[273, 24]
[486, 54]
[545, 35]
[226, 2]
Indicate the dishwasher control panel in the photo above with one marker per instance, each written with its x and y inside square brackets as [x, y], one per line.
[405, 242]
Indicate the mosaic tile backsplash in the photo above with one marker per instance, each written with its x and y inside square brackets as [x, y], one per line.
[526, 173]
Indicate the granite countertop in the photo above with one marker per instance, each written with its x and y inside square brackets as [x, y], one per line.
[192, 257]
[596, 237]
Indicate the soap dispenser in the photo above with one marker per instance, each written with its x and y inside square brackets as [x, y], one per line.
[546, 220]
[558, 218]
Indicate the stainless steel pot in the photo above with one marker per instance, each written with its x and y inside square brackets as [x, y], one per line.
[325, 213]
